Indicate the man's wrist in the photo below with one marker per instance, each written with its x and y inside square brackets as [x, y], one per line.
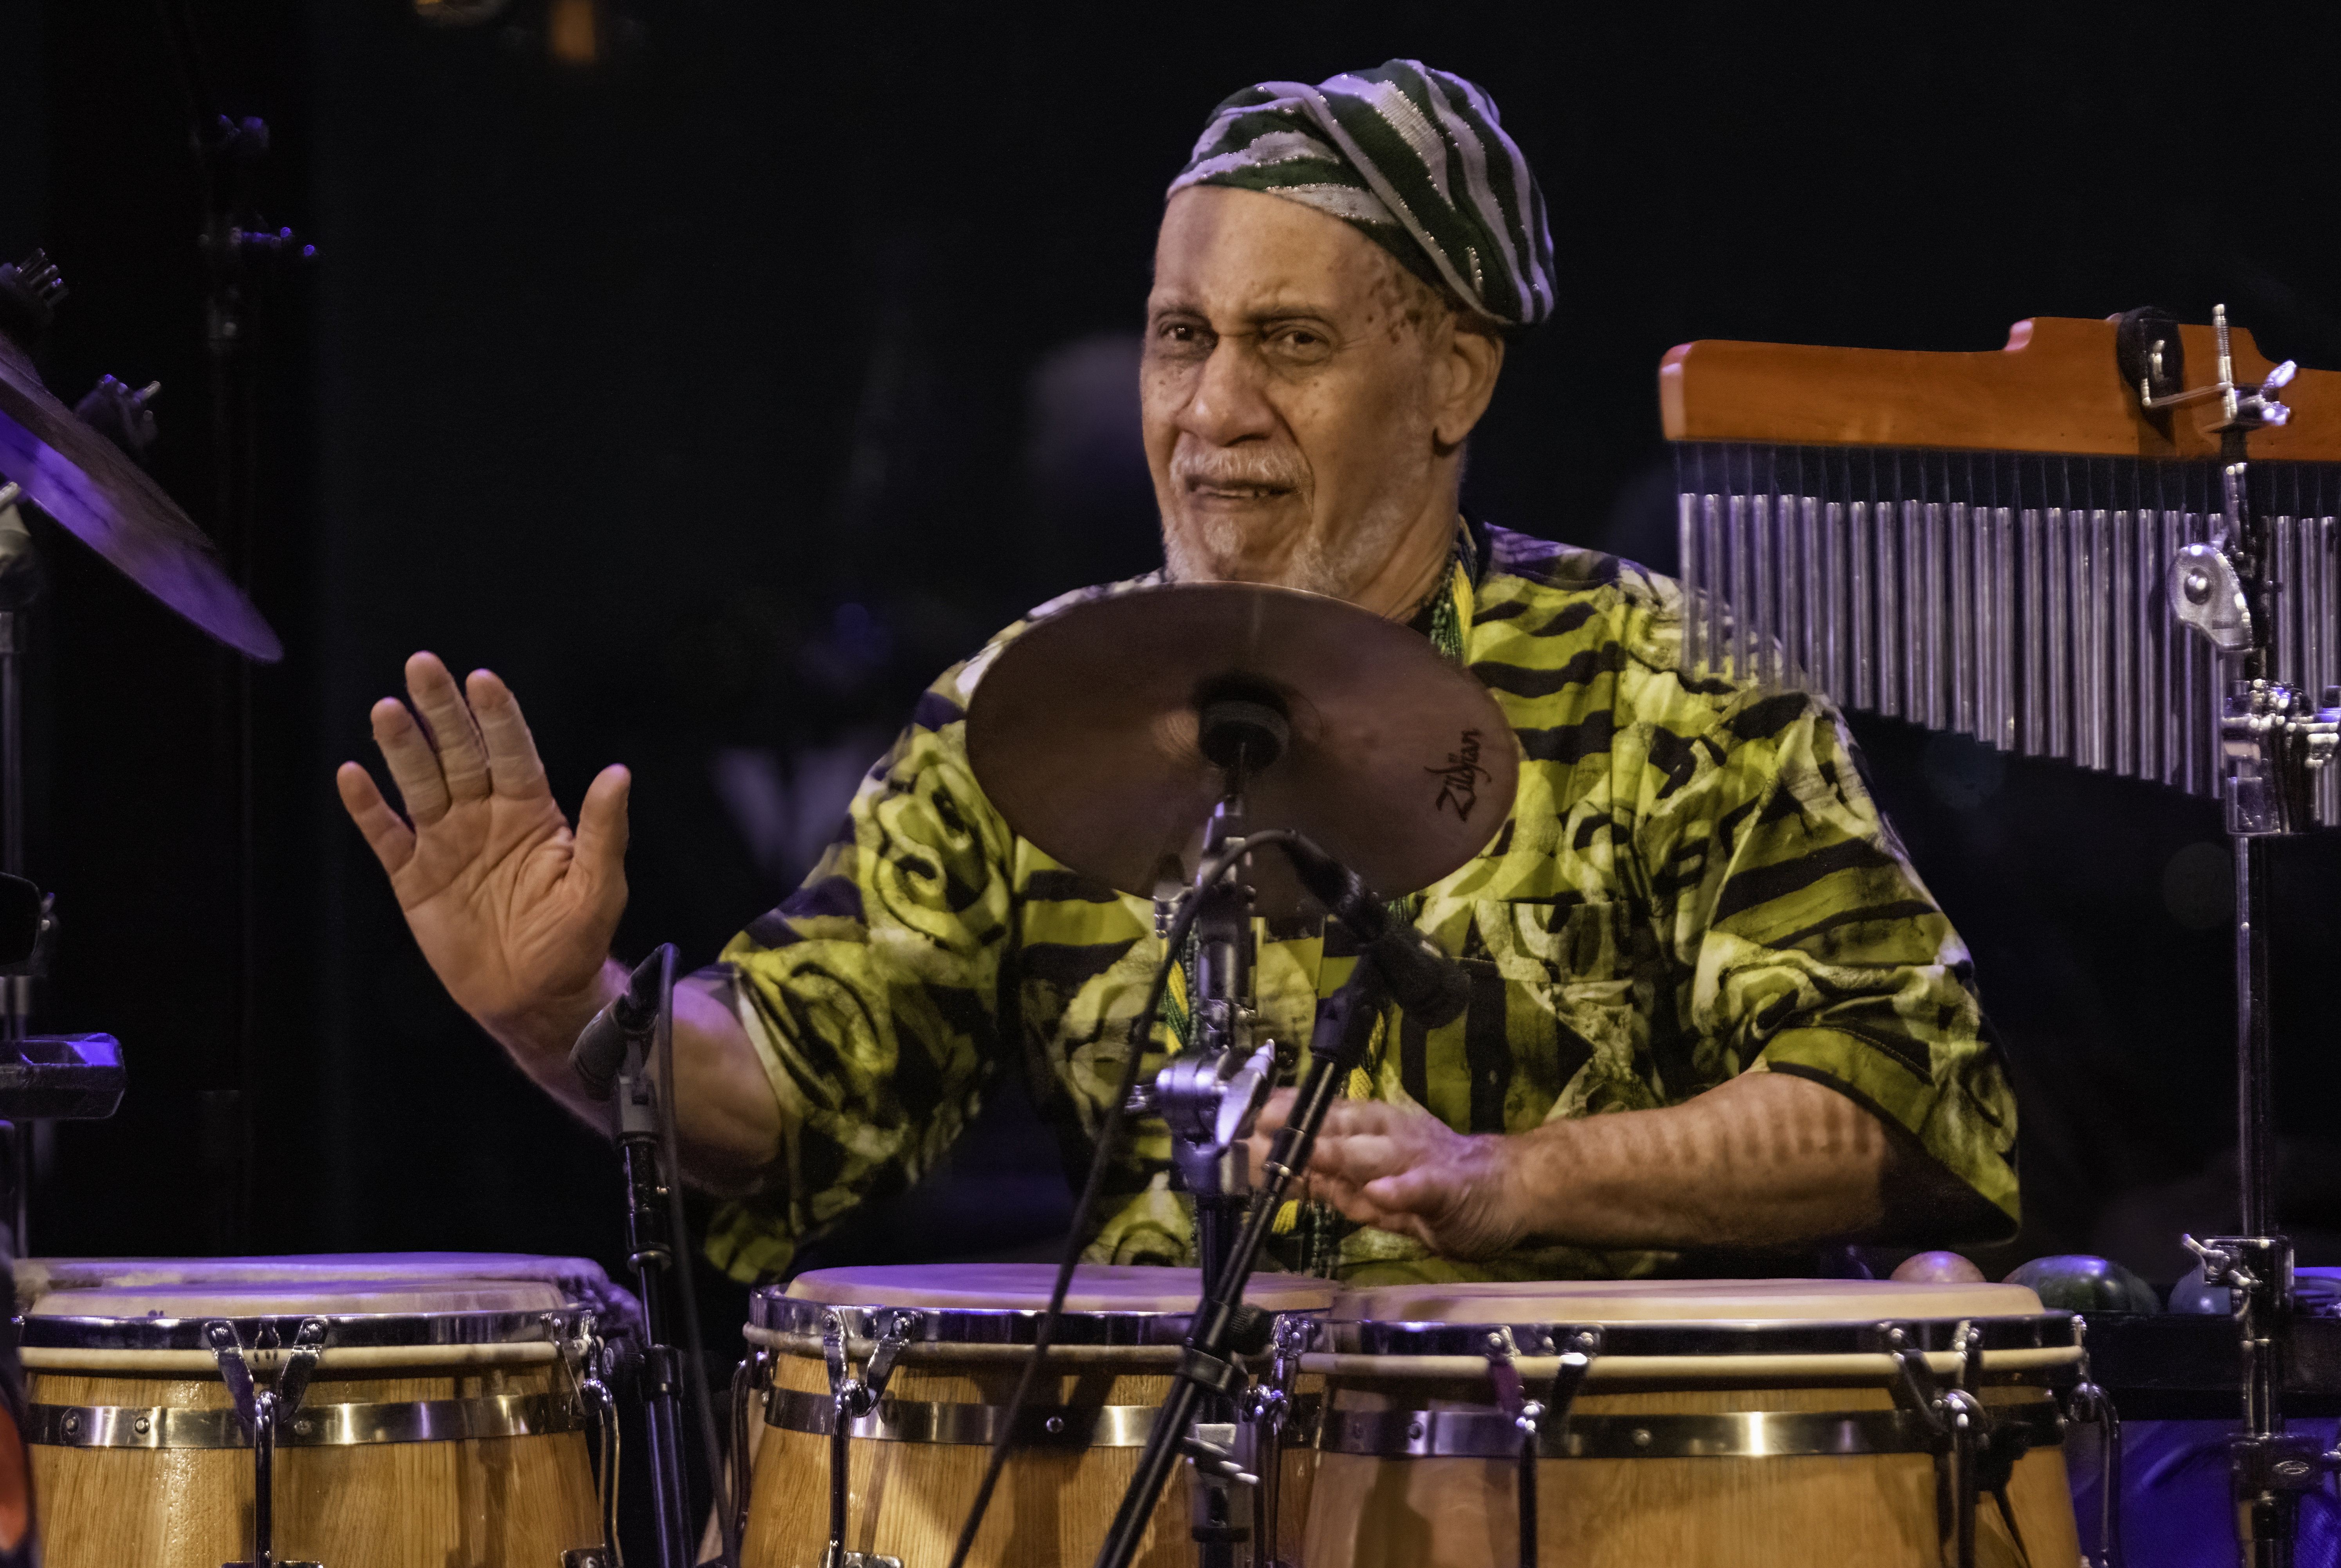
[538, 1036]
[1531, 1186]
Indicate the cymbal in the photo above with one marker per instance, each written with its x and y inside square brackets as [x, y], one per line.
[102, 498]
[1082, 732]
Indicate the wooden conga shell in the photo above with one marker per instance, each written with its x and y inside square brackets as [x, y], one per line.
[1371, 1511]
[908, 1499]
[493, 1502]
[1053, 1506]
[429, 1501]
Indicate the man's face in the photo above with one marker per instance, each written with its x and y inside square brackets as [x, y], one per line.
[1290, 401]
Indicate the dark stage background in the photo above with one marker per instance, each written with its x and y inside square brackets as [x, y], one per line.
[720, 388]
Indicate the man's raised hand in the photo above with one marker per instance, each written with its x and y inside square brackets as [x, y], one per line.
[513, 910]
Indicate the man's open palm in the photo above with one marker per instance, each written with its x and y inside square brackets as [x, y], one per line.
[513, 910]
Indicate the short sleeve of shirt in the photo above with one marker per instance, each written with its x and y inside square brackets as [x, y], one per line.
[870, 994]
[1809, 943]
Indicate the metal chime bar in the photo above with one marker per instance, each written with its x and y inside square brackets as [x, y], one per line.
[2015, 598]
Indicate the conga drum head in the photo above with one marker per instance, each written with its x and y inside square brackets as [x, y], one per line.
[326, 1298]
[960, 1337]
[577, 1280]
[1025, 1288]
[1685, 1301]
[430, 1413]
[1754, 1424]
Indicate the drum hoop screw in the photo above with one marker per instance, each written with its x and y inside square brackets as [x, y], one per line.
[1055, 1424]
[143, 1423]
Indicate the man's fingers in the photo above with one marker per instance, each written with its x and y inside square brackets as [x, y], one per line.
[602, 825]
[513, 767]
[1422, 1190]
[1359, 1158]
[454, 733]
[414, 766]
[386, 832]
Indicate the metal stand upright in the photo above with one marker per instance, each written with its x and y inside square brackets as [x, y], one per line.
[2271, 738]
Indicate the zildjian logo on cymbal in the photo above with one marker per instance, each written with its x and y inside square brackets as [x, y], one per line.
[1460, 778]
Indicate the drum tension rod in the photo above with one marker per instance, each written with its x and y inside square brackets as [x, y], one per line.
[1974, 1454]
[262, 1410]
[1265, 1415]
[1529, 1415]
[851, 1398]
[588, 1357]
[2086, 1404]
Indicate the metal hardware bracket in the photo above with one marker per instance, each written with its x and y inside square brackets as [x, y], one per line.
[262, 1410]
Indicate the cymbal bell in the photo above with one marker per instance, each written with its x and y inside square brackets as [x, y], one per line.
[102, 498]
[1082, 732]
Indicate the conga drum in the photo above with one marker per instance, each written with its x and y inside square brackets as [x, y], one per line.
[1728, 1423]
[417, 1410]
[951, 1341]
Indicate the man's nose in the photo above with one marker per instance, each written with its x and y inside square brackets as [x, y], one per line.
[1229, 404]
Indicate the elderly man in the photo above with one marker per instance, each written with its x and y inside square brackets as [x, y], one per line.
[1712, 1006]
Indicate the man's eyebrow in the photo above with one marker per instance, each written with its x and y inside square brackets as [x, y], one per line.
[1271, 310]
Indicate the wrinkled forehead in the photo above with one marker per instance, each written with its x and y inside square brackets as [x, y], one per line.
[1245, 254]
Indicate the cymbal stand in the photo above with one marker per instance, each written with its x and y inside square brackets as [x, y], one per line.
[1206, 1371]
[1211, 1092]
[54, 1077]
[2270, 740]
[20, 584]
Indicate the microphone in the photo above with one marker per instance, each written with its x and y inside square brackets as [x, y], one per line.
[1420, 975]
[601, 1049]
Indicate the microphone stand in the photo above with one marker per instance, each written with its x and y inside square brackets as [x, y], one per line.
[1205, 1373]
[642, 1025]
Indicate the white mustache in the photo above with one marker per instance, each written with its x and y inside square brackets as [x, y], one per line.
[1238, 470]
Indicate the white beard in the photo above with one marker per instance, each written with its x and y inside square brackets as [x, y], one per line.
[1339, 566]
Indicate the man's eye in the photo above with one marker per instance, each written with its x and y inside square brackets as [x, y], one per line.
[1299, 345]
[1180, 338]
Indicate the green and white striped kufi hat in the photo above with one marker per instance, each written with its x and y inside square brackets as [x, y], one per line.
[1415, 158]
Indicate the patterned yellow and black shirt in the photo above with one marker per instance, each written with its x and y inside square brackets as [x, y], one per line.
[1693, 884]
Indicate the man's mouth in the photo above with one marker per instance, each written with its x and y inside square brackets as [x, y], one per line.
[1227, 490]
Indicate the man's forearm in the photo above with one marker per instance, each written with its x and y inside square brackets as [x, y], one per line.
[1764, 1159]
[726, 1119]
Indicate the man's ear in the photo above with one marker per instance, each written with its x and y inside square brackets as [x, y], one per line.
[1463, 380]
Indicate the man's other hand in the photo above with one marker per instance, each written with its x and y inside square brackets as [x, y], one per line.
[513, 910]
[1399, 1169]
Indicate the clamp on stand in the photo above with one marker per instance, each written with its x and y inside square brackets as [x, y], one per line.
[2271, 738]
